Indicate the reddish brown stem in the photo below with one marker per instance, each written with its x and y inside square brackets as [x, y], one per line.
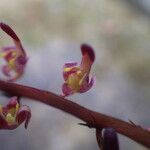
[92, 118]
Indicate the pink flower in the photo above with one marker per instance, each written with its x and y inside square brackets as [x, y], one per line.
[77, 77]
[15, 56]
[13, 114]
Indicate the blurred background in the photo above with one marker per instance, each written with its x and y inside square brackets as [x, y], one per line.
[51, 32]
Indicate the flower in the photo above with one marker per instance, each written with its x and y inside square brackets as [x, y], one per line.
[15, 56]
[13, 114]
[110, 139]
[77, 77]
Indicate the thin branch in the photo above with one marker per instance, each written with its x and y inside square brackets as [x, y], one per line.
[92, 118]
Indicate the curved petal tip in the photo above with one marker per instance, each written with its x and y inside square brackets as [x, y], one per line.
[88, 50]
[9, 31]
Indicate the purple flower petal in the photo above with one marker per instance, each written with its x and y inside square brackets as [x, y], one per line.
[88, 50]
[8, 48]
[71, 64]
[9, 31]
[12, 103]
[87, 85]
[24, 114]
[3, 123]
[6, 70]
[88, 57]
[66, 90]
[21, 63]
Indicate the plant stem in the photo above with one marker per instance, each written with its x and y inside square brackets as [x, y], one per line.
[93, 119]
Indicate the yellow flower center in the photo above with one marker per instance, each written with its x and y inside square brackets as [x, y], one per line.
[74, 80]
[11, 115]
[67, 69]
[10, 118]
[11, 62]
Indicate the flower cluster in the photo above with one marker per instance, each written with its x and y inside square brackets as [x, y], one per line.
[15, 56]
[13, 114]
[77, 77]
